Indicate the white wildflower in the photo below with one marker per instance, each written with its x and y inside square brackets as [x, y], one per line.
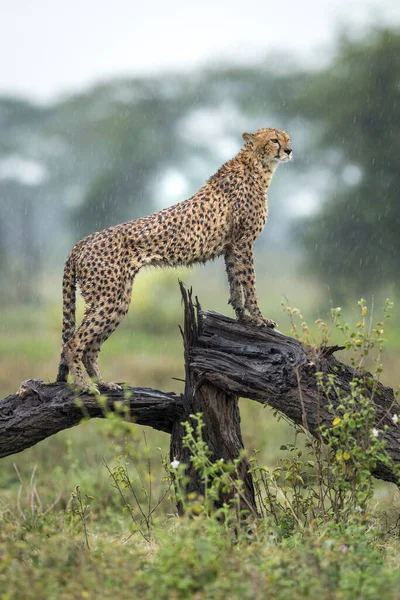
[395, 419]
[175, 464]
[375, 432]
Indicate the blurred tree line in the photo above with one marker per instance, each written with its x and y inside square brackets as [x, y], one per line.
[354, 107]
[102, 157]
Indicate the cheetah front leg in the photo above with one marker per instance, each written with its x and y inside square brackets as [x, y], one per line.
[241, 276]
[235, 287]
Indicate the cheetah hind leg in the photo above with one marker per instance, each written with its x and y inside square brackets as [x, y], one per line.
[89, 360]
[73, 354]
[77, 351]
[104, 328]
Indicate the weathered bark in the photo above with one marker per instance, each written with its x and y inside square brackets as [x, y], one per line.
[224, 360]
[271, 368]
[220, 414]
[39, 410]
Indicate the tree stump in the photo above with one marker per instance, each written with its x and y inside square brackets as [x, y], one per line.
[220, 413]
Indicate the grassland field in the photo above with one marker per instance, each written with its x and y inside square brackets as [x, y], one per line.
[44, 556]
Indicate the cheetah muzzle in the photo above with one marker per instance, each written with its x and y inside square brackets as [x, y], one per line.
[223, 218]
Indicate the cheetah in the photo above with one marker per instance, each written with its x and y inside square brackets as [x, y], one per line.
[223, 218]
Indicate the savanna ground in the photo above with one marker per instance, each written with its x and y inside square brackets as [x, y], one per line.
[60, 541]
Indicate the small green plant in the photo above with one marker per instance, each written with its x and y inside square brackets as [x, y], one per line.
[79, 511]
[330, 478]
[366, 336]
[221, 495]
[133, 479]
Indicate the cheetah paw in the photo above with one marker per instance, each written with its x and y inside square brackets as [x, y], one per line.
[111, 386]
[259, 321]
[268, 323]
[91, 389]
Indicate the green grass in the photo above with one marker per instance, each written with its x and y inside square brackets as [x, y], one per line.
[45, 556]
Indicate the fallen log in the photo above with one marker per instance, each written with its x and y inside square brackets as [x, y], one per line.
[224, 360]
[38, 410]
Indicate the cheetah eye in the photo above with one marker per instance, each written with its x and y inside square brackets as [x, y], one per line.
[275, 141]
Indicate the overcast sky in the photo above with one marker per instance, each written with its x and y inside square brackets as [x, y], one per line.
[49, 48]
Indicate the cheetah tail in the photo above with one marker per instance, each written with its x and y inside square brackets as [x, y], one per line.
[69, 310]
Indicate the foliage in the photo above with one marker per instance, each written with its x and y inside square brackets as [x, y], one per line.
[28, 512]
[199, 555]
[320, 535]
[79, 511]
[353, 241]
[103, 156]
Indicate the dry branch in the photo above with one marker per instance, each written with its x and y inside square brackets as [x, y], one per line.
[39, 410]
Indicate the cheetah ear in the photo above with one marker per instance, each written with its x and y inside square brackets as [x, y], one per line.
[248, 138]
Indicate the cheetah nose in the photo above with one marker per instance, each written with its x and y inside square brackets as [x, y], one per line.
[288, 151]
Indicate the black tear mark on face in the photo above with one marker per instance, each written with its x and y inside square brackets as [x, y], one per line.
[278, 155]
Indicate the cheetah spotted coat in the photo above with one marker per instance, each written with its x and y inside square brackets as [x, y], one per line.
[223, 218]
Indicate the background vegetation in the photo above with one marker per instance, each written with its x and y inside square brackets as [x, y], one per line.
[126, 148]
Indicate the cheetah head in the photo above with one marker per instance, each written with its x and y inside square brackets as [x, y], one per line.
[270, 146]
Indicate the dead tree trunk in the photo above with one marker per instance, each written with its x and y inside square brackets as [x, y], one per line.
[224, 360]
[220, 413]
